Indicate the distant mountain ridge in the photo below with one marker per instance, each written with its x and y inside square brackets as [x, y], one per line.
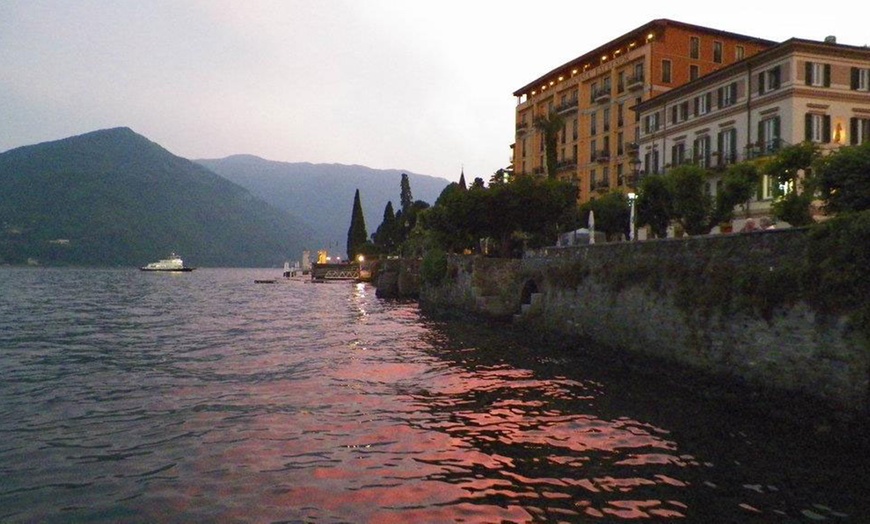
[322, 194]
[114, 198]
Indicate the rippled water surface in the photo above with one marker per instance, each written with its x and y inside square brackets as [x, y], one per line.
[204, 397]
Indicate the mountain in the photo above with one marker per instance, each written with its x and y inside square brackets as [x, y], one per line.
[114, 198]
[322, 194]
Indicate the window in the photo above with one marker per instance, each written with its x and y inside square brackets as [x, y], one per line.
[574, 132]
[593, 180]
[564, 133]
[694, 47]
[620, 82]
[637, 101]
[727, 95]
[739, 52]
[680, 112]
[678, 154]
[651, 162]
[726, 142]
[859, 130]
[593, 123]
[694, 72]
[524, 148]
[717, 52]
[860, 79]
[818, 74]
[818, 128]
[620, 111]
[651, 123]
[703, 104]
[768, 135]
[666, 71]
[769, 80]
[593, 91]
[620, 143]
[605, 116]
[701, 151]
[605, 147]
[593, 150]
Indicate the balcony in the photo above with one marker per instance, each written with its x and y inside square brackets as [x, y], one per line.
[566, 165]
[761, 148]
[600, 184]
[602, 156]
[632, 148]
[601, 95]
[568, 106]
[634, 82]
[522, 127]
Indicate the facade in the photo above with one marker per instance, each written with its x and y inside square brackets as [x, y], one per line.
[800, 90]
[594, 93]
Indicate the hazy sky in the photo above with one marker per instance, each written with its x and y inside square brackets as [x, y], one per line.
[407, 84]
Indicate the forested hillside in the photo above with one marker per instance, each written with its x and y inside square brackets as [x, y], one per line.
[114, 198]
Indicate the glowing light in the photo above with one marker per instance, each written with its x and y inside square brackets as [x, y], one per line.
[361, 258]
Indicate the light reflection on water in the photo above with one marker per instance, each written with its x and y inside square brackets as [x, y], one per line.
[205, 397]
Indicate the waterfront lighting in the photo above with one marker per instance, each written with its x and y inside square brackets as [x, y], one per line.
[631, 198]
[360, 259]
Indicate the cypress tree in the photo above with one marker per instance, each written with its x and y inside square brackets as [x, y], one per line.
[405, 196]
[356, 234]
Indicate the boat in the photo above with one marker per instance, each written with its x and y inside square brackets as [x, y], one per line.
[173, 263]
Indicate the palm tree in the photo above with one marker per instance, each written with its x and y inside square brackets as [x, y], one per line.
[550, 126]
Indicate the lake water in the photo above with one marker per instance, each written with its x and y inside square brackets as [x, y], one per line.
[204, 397]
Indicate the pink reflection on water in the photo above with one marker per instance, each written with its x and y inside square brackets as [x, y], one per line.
[398, 436]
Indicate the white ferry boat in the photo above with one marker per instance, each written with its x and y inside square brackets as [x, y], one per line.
[173, 263]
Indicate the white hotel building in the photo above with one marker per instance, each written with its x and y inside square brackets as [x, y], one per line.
[796, 91]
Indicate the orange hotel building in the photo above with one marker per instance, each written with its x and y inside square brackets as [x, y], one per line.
[595, 93]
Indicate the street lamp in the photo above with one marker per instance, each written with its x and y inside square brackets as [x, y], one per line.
[631, 198]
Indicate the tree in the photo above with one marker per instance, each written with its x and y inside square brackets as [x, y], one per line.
[792, 168]
[405, 197]
[843, 179]
[691, 207]
[739, 183]
[654, 205]
[612, 214]
[530, 208]
[356, 233]
[385, 236]
[550, 126]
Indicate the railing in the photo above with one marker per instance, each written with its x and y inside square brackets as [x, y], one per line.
[602, 94]
[568, 106]
[566, 165]
[634, 82]
[602, 155]
[522, 127]
[600, 184]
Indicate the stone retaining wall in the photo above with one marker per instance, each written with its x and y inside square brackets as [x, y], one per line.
[721, 304]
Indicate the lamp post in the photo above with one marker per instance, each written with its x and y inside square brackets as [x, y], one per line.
[631, 198]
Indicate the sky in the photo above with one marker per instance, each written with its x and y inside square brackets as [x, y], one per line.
[418, 85]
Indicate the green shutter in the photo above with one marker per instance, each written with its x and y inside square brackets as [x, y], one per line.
[827, 75]
[853, 131]
[760, 84]
[826, 129]
[855, 73]
[808, 70]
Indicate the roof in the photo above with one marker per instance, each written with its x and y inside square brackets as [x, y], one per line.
[659, 23]
[761, 57]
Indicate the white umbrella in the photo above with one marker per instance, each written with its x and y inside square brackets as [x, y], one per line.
[591, 227]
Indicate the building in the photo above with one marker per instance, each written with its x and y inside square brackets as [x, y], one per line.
[799, 90]
[594, 93]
